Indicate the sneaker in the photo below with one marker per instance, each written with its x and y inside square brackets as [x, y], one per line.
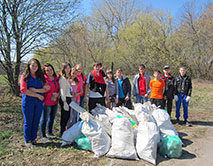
[188, 124]
[51, 135]
[178, 121]
[34, 142]
[28, 144]
[44, 139]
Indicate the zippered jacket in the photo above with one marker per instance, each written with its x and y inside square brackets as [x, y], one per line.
[183, 85]
[136, 87]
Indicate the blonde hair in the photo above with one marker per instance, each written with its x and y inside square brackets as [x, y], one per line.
[78, 66]
[74, 71]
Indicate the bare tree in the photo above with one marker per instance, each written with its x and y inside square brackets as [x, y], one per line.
[116, 14]
[26, 25]
[196, 38]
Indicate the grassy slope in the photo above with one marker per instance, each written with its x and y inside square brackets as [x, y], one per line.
[13, 152]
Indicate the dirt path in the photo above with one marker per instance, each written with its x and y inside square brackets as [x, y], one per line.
[198, 150]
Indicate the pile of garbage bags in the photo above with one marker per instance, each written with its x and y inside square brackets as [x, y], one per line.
[124, 133]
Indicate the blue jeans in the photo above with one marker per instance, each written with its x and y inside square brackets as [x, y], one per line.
[47, 117]
[182, 99]
[141, 99]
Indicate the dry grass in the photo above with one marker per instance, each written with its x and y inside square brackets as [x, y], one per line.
[13, 151]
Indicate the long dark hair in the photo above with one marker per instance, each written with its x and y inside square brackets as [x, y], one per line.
[64, 66]
[49, 65]
[39, 73]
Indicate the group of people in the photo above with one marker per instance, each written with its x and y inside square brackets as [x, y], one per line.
[42, 89]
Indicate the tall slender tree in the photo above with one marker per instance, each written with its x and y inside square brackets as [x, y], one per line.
[26, 25]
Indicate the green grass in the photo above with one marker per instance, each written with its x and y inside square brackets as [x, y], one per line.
[3, 80]
[6, 135]
[4, 140]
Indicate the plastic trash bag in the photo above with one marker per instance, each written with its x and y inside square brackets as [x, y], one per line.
[83, 142]
[72, 133]
[171, 146]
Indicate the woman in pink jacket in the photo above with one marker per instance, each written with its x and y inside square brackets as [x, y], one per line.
[50, 102]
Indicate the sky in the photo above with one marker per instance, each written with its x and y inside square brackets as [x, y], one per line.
[173, 6]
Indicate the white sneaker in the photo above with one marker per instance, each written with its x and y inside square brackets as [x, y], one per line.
[51, 135]
[44, 139]
[29, 145]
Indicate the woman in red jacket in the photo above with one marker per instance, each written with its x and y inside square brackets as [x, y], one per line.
[50, 102]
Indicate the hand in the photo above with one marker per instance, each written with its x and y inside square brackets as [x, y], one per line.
[66, 106]
[165, 97]
[33, 90]
[73, 94]
[40, 97]
[188, 98]
[46, 87]
[116, 101]
[126, 98]
[107, 99]
[85, 98]
[176, 98]
[146, 95]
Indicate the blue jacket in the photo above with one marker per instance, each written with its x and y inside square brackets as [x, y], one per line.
[135, 84]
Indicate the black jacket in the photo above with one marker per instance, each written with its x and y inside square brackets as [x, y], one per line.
[126, 86]
[169, 89]
[183, 85]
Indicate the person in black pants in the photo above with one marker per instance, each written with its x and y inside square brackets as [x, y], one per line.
[124, 90]
[97, 85]
[65, 96]
[169, 89]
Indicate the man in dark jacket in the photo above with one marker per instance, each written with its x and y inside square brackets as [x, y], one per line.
[183, 91]
[169, 89]
[124, 90]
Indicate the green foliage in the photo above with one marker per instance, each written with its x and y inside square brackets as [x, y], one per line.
[145, 41]
[150, 38]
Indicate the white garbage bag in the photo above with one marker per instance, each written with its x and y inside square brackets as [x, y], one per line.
[122, 140]
[163, 121]
[105, 120]
[99, 138]
[99, 109]
[142, 107]
[147, 140]
[72, 133]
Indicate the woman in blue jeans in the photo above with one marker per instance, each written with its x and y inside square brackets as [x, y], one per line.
[50, 102]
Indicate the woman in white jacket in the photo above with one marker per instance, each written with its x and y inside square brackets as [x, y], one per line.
[65, 96]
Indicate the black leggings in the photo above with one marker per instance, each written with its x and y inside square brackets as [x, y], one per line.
[65, 115]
